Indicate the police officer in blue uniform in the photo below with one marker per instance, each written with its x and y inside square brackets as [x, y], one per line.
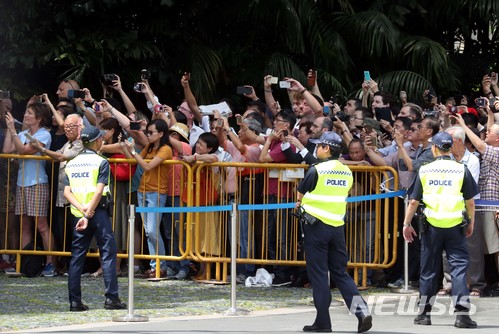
[446, 187]
[322, 196]
[87, 177]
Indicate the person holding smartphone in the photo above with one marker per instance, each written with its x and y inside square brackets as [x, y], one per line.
[33, 194]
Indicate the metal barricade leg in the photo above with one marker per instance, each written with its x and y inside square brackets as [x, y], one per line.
[130, 317]
[233, 254]
[405, 289]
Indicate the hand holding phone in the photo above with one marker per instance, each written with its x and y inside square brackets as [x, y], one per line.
[367, 76]
[243, 90]
[76, 94]
[284, 84]
[273, 80]
[312, 77]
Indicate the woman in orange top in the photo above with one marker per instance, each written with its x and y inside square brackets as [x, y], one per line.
[153, 185]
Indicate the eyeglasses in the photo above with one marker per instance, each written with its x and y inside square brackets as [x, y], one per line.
[280, 120]
[150, 133]
[70, 126]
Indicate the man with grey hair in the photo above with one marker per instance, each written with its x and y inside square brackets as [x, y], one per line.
[476, 278]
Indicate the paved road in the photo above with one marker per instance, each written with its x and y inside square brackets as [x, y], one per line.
[391, 314]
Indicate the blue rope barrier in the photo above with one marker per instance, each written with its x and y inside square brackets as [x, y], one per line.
[185, 209]
[243, 207]
[486, 203]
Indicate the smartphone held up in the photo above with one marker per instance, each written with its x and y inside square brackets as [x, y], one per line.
[244, 90]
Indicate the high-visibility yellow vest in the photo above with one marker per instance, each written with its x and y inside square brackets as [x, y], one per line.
[327, 201]
[83, 173]
[442, 181]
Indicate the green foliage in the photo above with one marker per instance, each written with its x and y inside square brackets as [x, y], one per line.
[229, 43]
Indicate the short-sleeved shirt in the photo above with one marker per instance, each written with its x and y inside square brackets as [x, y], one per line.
[423, 157]
[469, 187]
[32, 171]
[175, 173]
[405, 177]
[275, 187]
[156, 179]
[103, 169]
[70, 150]
[489, 174]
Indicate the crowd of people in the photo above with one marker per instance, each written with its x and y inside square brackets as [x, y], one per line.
[376, 129]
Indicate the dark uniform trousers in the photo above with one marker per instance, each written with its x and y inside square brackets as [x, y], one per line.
[325, 250]
[434, 240]
[100, 226]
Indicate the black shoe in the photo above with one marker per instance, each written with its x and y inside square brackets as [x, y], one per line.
[464, 321]
[115, 304]
[78, 307]
[316, 329]
[423, 319]
[365, 323]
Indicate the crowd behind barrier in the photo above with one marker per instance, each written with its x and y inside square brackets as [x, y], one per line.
[204, 237]
[183, 173]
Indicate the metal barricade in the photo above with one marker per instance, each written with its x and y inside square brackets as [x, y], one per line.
[267, 233]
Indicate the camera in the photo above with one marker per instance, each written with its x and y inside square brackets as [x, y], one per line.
[480, 102]
[145, 75]
[137, 87]
[76, 94]
[158, 108]
[4, 95]
[109, 78]
[452, 110]
[284, 84]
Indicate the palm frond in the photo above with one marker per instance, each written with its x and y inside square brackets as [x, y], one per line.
[206, 66]
[412, 83]
[428, 58]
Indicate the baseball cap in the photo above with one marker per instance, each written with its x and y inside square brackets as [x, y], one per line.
[329, 138]
[181, 129]
[442, 140]
[90, 134]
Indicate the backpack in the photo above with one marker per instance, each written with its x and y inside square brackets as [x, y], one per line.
[32, 265]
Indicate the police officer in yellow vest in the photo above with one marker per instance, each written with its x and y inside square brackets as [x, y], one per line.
[322, 195]
[446, 188]
[86, 179]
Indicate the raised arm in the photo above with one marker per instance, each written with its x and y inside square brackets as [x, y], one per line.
[474, 139]
[190, 99]
[129, 106]
[57, 116]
